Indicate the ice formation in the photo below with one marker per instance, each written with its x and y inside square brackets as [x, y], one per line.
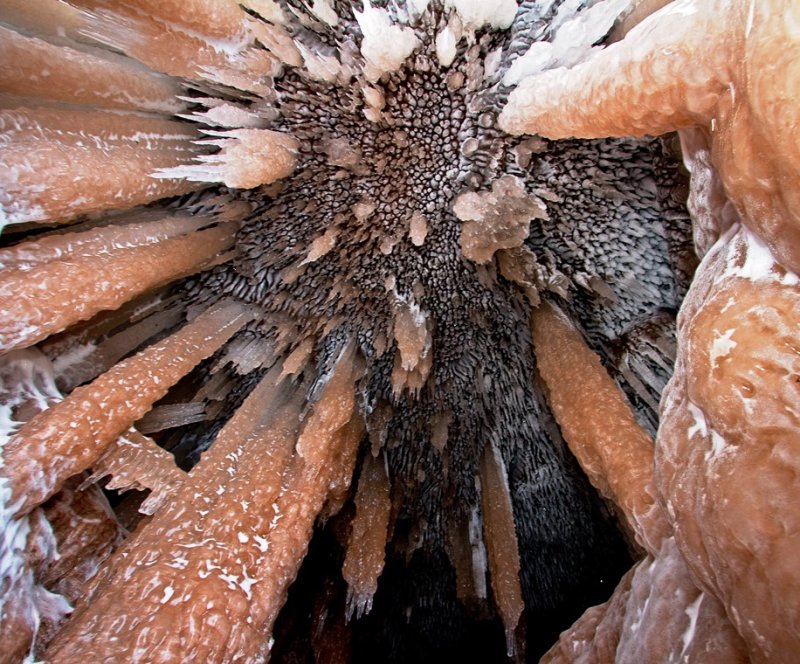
[369, 307]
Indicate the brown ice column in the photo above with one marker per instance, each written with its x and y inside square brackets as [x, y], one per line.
[656, 614]
[366, 549]
[57, 164]
[668, 73]
[53, 19]
[31, 67]
[68, 437]
[205, 579]
[48, 285]
[220, 19]
[135, 461]
[197, 40]
[728, 454]
[729, 67]
[500, 536]
[598, 425]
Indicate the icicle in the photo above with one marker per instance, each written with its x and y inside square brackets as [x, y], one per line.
[30, 67]
[385, 46]
[90, 160]
[84, 362]
[365, 556]
[496, 219]
[597, 423]
[248, 158]
[134, 461]
[53, 295]
[72, 434]
[414, 349]
[185, 43]
[500, 536]
[238, 531]
[56, 20]
[169, 416]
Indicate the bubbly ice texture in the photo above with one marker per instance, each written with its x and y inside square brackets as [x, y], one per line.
[135, 461]
[33, 68]
[365, 555]
[50, 284]
[727, 67]
[71, 435]
[94, 160]
[208, 575]
[598, 424]
[656, 613]
[729, 433]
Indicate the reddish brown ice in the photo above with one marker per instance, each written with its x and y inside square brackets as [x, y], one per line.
[71, 435]
[500, 536]
[48, 285]
[366, 549]
[597, 422]
[728, 67]
[185, 42]
[135, 461]
[90, 160]
[656, 614]
[66, 541]
[222, 19]
[53, 19]
[728, 464]
[205, 579]
[33, 68]
[247, 159]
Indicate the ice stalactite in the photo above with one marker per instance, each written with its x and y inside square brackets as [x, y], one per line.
[365, 557]
[726, 67]
[247, 158]
[335, 256]
[237, 547]
[613, 449]
[71, 435]
[723, 471]
[626, 76]
[184, 42]
[33, 68]
[500, 536]
[50, 284]
[92, 161]
[135, 461]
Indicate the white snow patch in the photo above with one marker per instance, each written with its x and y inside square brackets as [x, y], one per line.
[718, 446]
[693, 611]
[759, 263]
[497, 14]
[700, 425]
[572, 43]
[446, 46]
[722, 345]
[324, 12]
[169, 591]
[385, 46]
